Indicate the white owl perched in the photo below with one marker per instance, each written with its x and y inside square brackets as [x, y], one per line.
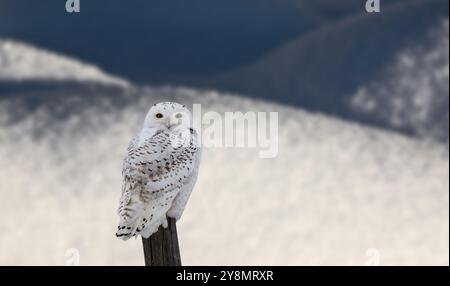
[159, 171]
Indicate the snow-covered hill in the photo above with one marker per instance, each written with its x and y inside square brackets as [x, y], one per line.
[335, 190]
[413, 92]
[337, 68]
[20, 61]
[336, 193]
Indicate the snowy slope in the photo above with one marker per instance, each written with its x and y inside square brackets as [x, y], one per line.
[20, 61]
[364, 57]
[335, 190]
[413, 92]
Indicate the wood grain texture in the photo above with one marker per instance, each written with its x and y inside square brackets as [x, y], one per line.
[162, 249]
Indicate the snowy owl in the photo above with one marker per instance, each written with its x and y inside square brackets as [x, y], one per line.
[159, 171]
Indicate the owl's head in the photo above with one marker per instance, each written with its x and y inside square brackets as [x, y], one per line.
[168, 116]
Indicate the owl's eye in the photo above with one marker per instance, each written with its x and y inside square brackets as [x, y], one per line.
[158, 115]
[178, 115]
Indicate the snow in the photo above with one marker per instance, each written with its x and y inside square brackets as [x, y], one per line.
[414, 93]
[20, 61]
[336, 194]
[334, 191]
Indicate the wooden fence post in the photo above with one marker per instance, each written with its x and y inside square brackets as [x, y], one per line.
[161, 249]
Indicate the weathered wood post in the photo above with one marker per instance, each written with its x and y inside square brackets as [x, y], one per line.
[162, 249]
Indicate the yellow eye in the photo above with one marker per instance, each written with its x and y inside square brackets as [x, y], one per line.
[159, 115]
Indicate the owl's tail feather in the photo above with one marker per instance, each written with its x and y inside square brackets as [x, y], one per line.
[142, 226]
[129, 219]
[127, 228]
[149, 229]
[125, 232]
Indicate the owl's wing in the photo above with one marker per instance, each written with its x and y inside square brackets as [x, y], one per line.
[153, 173]
[180, 201]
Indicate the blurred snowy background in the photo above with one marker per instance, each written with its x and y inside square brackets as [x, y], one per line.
[362, 98]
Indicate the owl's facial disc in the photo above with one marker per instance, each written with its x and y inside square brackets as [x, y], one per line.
[166, 117]
[178, 118]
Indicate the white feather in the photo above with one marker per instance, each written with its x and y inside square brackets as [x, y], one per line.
[159, 171]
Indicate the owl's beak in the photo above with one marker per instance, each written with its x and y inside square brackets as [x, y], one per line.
[172, 122]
